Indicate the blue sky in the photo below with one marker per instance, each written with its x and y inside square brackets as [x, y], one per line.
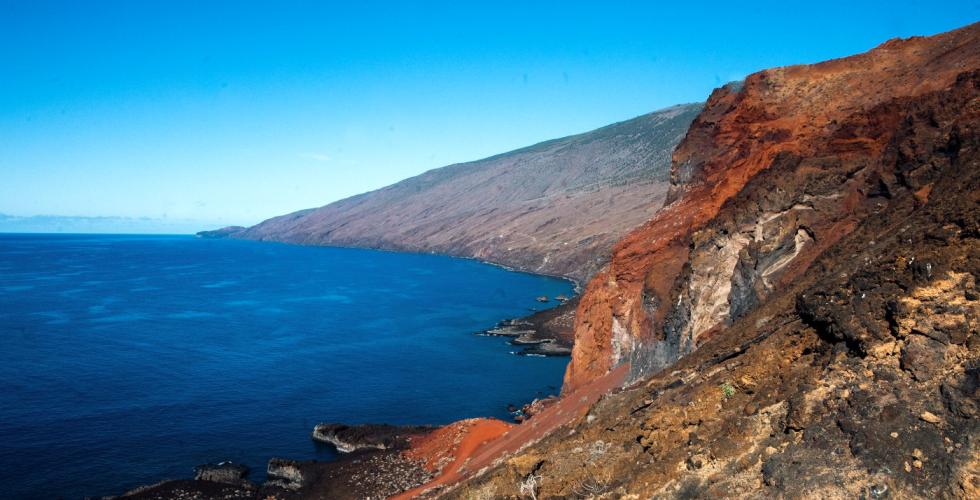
[232, 112]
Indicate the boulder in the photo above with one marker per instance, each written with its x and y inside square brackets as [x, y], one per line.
[286, 474]
[224, 472]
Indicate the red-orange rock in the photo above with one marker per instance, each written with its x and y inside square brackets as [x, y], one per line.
[690, 268]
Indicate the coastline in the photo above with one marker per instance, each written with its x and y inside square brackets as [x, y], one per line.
[543, 333]
[373, 455]
[577, 285]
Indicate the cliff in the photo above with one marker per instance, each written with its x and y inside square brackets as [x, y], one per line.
[803, 319]
[770, 176]
[553, 208]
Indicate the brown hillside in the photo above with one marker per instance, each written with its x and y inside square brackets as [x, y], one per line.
[553, 208]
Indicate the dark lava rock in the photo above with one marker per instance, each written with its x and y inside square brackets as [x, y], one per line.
[187, 489]
[922, 357]
[225, 472]
[961, 395]
[349, 438]
[546, 349]
[287, 474]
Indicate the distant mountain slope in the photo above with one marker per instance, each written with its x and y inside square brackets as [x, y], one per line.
[555, 207]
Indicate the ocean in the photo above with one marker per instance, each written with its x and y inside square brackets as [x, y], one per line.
[126, 360]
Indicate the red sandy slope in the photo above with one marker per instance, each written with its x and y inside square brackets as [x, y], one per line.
[465, 447]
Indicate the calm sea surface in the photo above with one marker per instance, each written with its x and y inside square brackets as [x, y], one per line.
[125, 360]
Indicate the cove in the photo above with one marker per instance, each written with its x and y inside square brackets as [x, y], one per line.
[125, 360]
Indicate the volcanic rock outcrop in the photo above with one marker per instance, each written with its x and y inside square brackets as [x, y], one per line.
[773, 173]
[553, 208]
[803, 319]
[350, 438]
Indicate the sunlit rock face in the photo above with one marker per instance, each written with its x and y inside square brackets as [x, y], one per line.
[771, 174]
[813, 295]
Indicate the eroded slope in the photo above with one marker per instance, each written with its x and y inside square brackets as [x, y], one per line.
[771, 174]
[858, 378]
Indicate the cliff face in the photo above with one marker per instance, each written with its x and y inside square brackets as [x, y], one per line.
[826, 267]
[772, 174]
[553, 208]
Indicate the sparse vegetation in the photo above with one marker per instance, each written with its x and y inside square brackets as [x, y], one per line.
[592, 485]
[529, 487]
[598, 449]
[727, 390]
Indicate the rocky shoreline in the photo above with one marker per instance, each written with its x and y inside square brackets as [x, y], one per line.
[544, 333]
[372, 465]
[351, 438]
[802, 320]
[376, 461]
[372, 461]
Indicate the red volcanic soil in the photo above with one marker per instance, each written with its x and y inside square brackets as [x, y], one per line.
[449, 447]
[458, 450]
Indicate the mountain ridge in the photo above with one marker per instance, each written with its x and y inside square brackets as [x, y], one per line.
[554, 207]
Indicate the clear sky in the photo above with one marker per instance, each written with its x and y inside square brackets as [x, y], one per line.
[232, 112]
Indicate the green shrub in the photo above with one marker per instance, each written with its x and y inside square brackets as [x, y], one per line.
[727, 390]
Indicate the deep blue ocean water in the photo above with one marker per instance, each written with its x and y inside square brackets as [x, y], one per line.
[125, 360]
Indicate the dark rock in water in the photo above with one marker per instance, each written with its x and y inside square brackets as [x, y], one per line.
[190, 489]
[545, 333]
[350, 438]
[225, 480]
[529, 339]
[225, 472]
[368, 474]
[546, 349]
[363, 474]
[507, 331]
[287, 474]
